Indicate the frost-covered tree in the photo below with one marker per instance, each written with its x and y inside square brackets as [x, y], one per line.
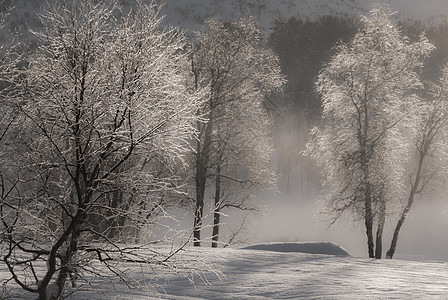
[6, 57]
[230, 61]
[240, 159]
[102, 106]
[429, 167]
[8, 112]
[368, 91]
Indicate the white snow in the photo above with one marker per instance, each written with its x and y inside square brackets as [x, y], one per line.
[327, 248]
[258, 274]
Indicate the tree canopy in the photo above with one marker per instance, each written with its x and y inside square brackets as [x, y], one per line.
[369, 89]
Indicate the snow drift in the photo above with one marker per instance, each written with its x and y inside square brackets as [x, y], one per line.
[327, 248]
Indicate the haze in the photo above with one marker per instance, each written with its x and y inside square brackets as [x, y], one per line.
[291, 215]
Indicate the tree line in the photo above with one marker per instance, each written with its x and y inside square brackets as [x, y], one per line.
[304, 46]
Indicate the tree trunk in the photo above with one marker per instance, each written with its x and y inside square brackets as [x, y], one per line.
[42, 293]
[216, 221]
[66, 270]
[75, 225]
[201, 177]
[116, 224]
[379, 243]
[379, 233]
[202, 159]
[393, 246]
[217, 213]
[365, 155]
[369, 232]
[368, 220]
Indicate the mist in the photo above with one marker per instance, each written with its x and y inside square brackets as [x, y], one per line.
[295, 218]
[293, 214]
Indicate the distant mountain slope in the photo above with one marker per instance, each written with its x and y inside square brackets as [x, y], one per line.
[189, 13]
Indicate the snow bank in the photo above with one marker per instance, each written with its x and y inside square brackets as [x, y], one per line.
[327, 248]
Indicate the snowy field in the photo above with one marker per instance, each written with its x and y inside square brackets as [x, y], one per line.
[270, 274]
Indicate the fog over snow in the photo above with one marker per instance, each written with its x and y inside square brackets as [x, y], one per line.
[295, 218]
[291, 215]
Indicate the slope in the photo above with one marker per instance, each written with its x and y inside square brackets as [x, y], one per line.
[189, 13]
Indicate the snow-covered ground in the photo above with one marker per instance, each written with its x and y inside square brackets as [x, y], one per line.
[255, 274]
[275, 274]
[304, 247]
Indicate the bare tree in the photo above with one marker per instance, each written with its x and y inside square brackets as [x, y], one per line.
[229, 60]
[368, 90]
[103, 104]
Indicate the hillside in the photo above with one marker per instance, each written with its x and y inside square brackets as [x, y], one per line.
[188, 13]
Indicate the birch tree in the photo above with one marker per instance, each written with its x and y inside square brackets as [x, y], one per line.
[240, 159]
[229, 60]
[102, 104]
[368, 91]
[430, 151]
